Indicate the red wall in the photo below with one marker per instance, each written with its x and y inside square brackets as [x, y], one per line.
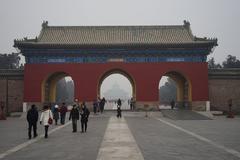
[146, 76]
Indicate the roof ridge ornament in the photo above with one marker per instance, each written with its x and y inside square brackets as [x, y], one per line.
[186, 23]
[45, 24]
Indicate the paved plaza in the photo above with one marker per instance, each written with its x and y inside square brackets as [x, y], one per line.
[134, 136]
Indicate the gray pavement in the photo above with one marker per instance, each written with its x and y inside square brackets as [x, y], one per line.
[160, 141]
[14, 131]
[176, 114]
[223, 130]
[156, 136]
[66, 145]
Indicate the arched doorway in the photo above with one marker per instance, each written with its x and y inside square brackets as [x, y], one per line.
[116, 84]
[57, 88]
[174, 86]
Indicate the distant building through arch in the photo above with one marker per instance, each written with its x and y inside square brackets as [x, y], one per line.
[144, 53]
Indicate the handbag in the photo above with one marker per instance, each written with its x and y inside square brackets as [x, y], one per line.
[50, 120]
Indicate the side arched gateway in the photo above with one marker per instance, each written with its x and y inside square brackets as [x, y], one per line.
[49, 88]
[183, 89]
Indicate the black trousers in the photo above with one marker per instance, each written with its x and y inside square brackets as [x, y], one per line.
[95, 110]
[56, 120]
[131, 107]
[46, 131]
[101, 108]
[119, 114]
[30, 126]
[84, 125]
[63, 118]
[74, 125]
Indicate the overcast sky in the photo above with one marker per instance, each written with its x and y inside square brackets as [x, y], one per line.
[208, 18]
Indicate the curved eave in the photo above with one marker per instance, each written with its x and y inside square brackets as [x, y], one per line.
[205, 44]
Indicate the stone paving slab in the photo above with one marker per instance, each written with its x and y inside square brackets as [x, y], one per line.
[183, 115]
[160, 141]
[65, 145]
[14, 131]
[222, 130]
[118, 142]
[155, 139]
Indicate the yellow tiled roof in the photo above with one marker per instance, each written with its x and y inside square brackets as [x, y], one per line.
[114, 35]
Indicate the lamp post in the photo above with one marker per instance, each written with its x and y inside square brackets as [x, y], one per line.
[230, 113]
[2, 116]
[7, 111]
[146, 109]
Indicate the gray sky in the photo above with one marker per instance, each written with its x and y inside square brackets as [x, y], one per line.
[210, 18]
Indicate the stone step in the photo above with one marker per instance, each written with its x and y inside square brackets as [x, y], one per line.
[183, 115]
[217, 113]
[16, 114]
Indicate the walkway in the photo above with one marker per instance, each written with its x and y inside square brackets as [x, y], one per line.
[133, 137]
[118, 142]
[113, 106]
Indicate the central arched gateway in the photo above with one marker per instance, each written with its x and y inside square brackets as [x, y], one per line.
[143, 54]
[118, 71]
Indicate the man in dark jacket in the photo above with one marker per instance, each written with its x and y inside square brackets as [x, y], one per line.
[74, 115]
[95, 106]
[172, 104]
[102, 104]
[32, 118]
[119, 103]
[63, 111]
[84, 117]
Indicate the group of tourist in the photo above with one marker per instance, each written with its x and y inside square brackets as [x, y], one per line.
[47, 116]
[132, 104]
[74, 115]
[55, 112]
[98, 105]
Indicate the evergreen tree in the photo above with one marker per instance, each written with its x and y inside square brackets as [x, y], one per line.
[168, 92]
[212, 64]
[65, 91]
[231, 62]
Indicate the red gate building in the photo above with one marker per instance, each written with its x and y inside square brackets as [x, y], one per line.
[143, 54]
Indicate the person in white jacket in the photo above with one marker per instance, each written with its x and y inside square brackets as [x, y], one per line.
[44, 119]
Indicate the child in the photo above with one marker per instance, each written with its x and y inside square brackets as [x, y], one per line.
[119, 112]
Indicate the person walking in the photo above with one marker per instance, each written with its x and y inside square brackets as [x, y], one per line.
[102, 104]
[84, 117]
[46, 119]
[63, 111]
[95, 106]
[74, 115]
[32, 118]
[172, 104]
[119, 112]
[119, 103]
[99, 104]
[56, 114]
[131, 104]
